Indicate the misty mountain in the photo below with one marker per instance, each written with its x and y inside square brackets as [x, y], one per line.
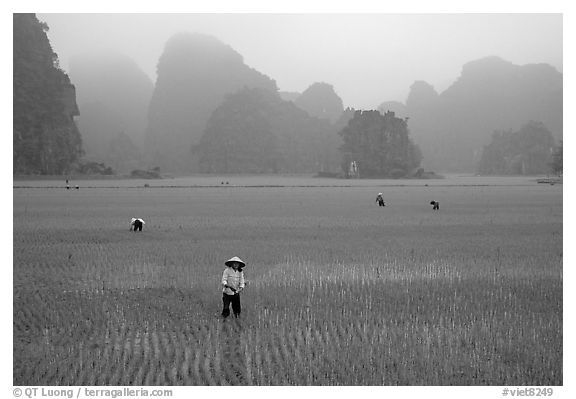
[491, 94]
[289, 95]
[320, 100]
[113, 96]
[45, 137]
[255, 131]
[195, 73]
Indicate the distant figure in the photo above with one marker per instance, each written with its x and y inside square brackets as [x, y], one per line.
[380, 200]
[136, 224]
[232, 284]
[77, 187]
[67, 185]
[435, 205]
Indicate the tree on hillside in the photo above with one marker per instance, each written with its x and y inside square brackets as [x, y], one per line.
[556, 164]
[237, 144]
[238, 138]
[344, 118]
[255, 131]
[45, 137]
[525, 152]
[379, 144]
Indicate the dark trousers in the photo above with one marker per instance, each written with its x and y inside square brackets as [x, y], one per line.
[231, 299]
[137, 225]
[381, 203]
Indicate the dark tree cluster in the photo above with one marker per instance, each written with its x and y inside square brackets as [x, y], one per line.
[379, 144]
[46, 139]
[525, 152]
[255, 131]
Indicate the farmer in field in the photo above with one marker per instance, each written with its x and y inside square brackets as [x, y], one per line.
[380, 200]
[232, 285]
[435, 205]
[136, 224]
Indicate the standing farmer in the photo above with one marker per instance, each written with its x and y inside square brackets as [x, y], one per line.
[435, 205]
[380, 200]
[233, 284]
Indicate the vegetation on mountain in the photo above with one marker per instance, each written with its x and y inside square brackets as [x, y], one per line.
[255, 131]
[46, 139]
[527, 151]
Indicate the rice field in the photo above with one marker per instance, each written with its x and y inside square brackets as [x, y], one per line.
[340, 291]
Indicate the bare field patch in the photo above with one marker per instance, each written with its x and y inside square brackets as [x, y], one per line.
[340, 291]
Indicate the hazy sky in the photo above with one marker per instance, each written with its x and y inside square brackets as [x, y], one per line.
[368, 58]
